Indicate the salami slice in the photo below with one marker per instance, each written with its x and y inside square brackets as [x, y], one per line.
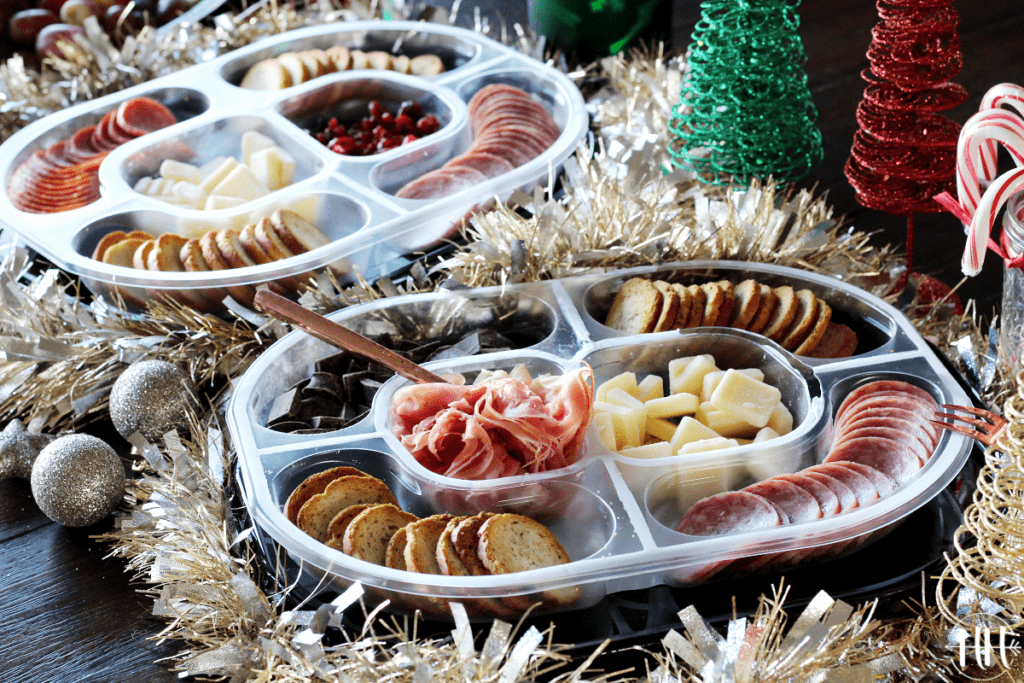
[488, 91]
[56, 154]
[912, 429]
[797, 504]
[109, 130]
[894, 435]
[847, 498]
[442, 182]
[896, 461]
[732, 512]
[80, 146]
[883, 483]
[491, 165]
[828, 501]
[861, 486]
[873, 388]
[886, 412]
[912, 404]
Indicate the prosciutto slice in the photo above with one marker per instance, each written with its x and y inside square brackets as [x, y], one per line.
[504, 426]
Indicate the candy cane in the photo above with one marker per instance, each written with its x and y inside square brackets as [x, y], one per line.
[981, 130]
[978, 235]
[996, 97]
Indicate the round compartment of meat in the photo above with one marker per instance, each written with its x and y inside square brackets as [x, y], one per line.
[814, 317]
[510, 416]
[755, 409]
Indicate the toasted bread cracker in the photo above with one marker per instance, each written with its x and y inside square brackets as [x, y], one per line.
[669, 307]
[817, 331]
[783, 315]
[769, 300]
[685, 304]
[803, 322]
[466, 539]
[747, 300]
[728, 302]
[421, 545]
[698, 300]
[316, 514]
[636, 307]
[268, 74]
[339, 524]
[369, 533]
[314, 484]
[714, 298]
[511, 543]
[839, 341]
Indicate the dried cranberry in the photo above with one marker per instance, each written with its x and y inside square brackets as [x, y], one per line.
[404, 124]
[411, 109]
[376, 109]
[428, 124]
[387, 120]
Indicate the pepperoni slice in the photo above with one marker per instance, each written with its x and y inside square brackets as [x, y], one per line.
[80, 147]
[442, 182]
[110, 131]
[897, 461]
[141, 115]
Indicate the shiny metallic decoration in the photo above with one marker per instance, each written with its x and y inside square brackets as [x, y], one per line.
[19, 449]
[151, 397]
[78, 480]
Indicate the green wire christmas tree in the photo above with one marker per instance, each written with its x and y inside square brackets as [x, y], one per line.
[745, 110]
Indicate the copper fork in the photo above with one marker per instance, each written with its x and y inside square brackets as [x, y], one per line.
[989, 428]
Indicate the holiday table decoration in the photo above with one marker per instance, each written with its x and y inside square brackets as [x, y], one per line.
[745, 110]
[151, 397]
[903, 153]
[184, 539]
[19, 449]
[78, 480]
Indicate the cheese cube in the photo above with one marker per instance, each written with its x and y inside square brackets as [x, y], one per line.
[704, 445]
[178, 170]
[605, 430]
[690, 430]
[723, 423]
[781, 420]
[212, 165]
[253, 142]
[745, 398]
[688, 377]
[189, 193]
[673, 405]
[629, 425]
[213, 176]
[659, 428]
[651, 387]
[240, 182]
[620, 397]
[626, 381]
[712, 379]
[143, 184]
[765, 434]
[662, 449]
[274, 167]
[215, 202]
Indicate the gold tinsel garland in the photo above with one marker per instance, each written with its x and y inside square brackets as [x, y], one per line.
[618, 211]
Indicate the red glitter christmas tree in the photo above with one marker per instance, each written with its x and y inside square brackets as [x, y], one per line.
[904, 153]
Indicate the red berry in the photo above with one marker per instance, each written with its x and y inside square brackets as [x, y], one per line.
[428, 124]
[411, 109]
[404, 123]
[376, 109]
[409, 138]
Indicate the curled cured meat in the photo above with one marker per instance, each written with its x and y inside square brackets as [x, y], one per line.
[504, 426]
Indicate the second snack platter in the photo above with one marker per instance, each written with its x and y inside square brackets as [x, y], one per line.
[615, 515]
[352, 199]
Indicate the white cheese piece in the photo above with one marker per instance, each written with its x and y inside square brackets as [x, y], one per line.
[214, 176]
[714, 444]
[253, 142]
[179, 170]
[691, 430]
[688, 377]
[190, 194]
[745, 398]
[712, 379]
[723, 423]
[239, 182]
[626, 381]
[660, 428]
[673, 405]
[215, 202]
[630, 425]
[661, 449]
[605, 429]
[781, 420]
[651, 387]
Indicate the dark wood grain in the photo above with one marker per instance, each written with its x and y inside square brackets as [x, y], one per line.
[67, 614]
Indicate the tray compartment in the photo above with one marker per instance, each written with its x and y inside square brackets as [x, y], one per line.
[801, 393]
[876, 329]
[455, 50]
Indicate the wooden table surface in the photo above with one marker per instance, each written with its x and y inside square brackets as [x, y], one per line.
[68, 614]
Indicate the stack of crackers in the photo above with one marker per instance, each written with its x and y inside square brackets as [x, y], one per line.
[353, 512]
[797, 320]
[292, 68]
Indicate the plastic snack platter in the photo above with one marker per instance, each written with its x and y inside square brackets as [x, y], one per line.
[614, 515]
[351, 199]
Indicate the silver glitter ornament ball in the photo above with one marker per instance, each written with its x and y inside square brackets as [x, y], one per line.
[19, 448]
[77, 480]
[151, 397]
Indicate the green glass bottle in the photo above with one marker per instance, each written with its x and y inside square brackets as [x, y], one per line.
[593, 28]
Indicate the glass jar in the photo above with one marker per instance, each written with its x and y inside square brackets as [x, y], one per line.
[1011, 331]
